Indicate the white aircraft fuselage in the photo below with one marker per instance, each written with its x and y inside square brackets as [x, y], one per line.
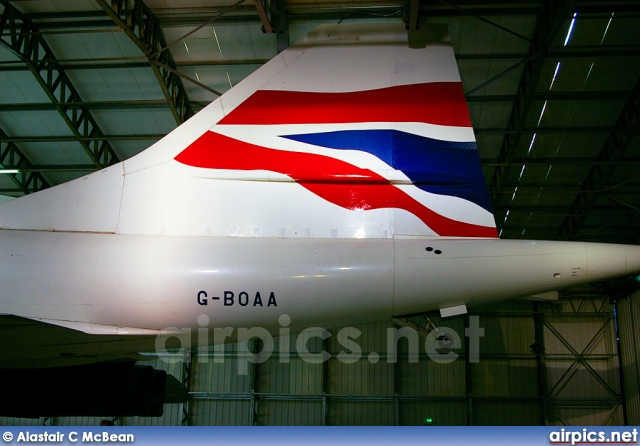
[132, 284]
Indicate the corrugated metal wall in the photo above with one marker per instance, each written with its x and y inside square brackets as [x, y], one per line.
[540, 363]
[629, 329]
[581, 361]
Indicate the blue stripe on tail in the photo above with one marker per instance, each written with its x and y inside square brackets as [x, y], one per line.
[440, 167]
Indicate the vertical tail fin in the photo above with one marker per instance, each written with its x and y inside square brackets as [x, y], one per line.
[355, 131]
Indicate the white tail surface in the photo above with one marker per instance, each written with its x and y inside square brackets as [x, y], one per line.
[356, 131]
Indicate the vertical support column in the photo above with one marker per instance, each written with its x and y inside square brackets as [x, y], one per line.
[467, 375]
[254, 348]
[396, 388]
[620, 362]
[325, 384]
[541, 368]
[187, 375]
[279, 20]
[396, 375]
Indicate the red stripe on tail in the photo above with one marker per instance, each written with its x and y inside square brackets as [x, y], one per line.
[334, 180]
[441, 103]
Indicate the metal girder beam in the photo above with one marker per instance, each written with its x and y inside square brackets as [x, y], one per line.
[560, 210]
[184, 16]
[106, 63]
[11, 157]
[274, 20]
[563, 189]
[414, 11]
[626, 128]
[573, 187]
[431, 9]
[557, 96]
[624, 50]
[550, 20]
[21, 139]
[59, 168]
[531, 131]
[561, 161]
[138, 22]
[264, 18]
[590, 51]
[95, 105]
[18, 36]
[207, 63]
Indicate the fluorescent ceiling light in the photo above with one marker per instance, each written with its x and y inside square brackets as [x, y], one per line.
[573, 22]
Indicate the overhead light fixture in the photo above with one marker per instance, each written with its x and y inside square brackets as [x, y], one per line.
[573, 22]
[9, 171]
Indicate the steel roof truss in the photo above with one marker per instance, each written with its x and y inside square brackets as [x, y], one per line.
[612, 153]
[550, 19]
[140, 24]
[25, 42]
[11, 157]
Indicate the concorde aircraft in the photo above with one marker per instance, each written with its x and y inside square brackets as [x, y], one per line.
[338, 184]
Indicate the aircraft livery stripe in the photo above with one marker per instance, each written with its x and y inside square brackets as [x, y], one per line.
[441, 167]
[439, 103]
[336, 181]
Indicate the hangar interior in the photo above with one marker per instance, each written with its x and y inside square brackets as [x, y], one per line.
[553, 92]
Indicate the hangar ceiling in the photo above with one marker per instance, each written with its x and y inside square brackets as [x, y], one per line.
[552, 86]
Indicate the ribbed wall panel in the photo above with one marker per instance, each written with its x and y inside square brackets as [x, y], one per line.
[506, 335]
[290, 413]
[444, 412]
[360, 378]
[221, 413]
[587, 415]
[80, 421]
[172, 416]
[297, 377]
[370, 338]
[210, 376]
[361, 413]
[504, 377]
[629, 329]
[490, 413]
[427, 378]
[12, 421]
